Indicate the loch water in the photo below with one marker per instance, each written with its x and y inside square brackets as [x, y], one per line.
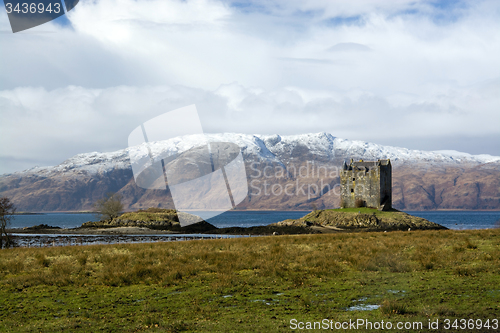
[457, 220]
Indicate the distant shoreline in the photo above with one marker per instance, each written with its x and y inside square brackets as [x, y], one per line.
[260, 210]
[51, 212]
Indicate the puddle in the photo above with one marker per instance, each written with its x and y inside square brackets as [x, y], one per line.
[494, 293]
[267, 302]
[395, 291]
[363, 307]
[362, 299]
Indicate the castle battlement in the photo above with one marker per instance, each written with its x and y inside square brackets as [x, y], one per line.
[366, 184]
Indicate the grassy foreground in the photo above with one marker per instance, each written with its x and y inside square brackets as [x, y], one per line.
[253, 284]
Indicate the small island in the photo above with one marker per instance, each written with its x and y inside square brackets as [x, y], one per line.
[153, 221]
[361, 219]
[366, 203]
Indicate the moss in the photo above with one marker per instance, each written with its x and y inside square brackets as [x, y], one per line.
[365, 210]
[170, 215]
[154, 218]
[363, 217]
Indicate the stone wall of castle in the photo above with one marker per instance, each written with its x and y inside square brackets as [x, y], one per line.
[366, 184]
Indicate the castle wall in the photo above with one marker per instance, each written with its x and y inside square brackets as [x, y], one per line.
[366, 184]
[386, 186]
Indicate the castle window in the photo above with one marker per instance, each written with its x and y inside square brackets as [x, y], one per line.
[352, 190]
[353, 179]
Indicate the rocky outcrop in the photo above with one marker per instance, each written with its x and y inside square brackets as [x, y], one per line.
[362, 218]
[41, 227]
[131, 223]
[154, 218]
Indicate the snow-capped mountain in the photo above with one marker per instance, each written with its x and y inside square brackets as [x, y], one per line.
[421, 179]
[270, 148]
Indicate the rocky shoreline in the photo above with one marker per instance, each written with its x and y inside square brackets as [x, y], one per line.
[320, 221]
[48, 240]
[192, 229]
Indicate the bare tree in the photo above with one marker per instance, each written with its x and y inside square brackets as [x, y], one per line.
[109, 207]
[7, 209]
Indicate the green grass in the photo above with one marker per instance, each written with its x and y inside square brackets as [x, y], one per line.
[251, 284]
[364, 210]
[151, 215]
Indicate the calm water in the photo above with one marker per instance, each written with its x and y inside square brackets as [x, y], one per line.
[462, 219]
[450, 219]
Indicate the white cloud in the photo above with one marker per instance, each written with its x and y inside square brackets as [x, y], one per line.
[50, 126]
[418, 73]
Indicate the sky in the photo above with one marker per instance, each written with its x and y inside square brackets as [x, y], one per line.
[416, 74]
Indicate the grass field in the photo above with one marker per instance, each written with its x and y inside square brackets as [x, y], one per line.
[363, 210]
[256, 284]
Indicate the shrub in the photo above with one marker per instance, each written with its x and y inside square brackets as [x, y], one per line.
[470, 245]
[391, 307]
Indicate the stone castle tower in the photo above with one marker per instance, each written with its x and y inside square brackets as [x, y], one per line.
[366, 184]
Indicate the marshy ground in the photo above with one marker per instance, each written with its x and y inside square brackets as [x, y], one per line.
[256, 284]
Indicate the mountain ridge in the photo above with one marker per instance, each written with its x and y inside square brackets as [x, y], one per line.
[421, 179]
[376, 151]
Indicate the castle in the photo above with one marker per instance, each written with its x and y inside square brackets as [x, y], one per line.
[366, 184]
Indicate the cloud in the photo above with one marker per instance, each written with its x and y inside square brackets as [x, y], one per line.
[308, 60]
[349, 47]
[52, 125]
[207, 43]
[411, 73]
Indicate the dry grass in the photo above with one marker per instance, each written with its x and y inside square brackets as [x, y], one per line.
[292, 258]
[393, 307]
